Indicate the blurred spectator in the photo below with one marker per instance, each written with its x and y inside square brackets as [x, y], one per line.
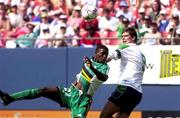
[70, 33]
[22, 9]
[30, 10]
[155, 9]
[38, 13]
[145, 27]
[69, 30]
[2, 6]
[146, 4]
[122, 25]
[54, 21]
[88, 23]
[61, 32]
[163, 21]
[174, 22]
[74, 22]
[16, 20]
[135, 5]
[111, 6]
[4, 21]
[48, 4]
[124, 10]
[18, 31]
[24, 29]
[167, 4]
[107, 23]
[60, 38]
[44, 38]
[59, 43]
[71, 4]
[27, 40]
[4, 26]
[63, 7]
[152, 37]
[45, 22]
[90, 38]
[140, 20]
[75, 19]
[176, 9]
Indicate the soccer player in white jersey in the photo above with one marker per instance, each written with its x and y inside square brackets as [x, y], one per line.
[128, 93]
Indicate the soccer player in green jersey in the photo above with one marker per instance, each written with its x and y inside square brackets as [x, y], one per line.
[77, 97]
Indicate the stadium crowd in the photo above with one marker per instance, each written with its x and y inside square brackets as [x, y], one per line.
[58, 23]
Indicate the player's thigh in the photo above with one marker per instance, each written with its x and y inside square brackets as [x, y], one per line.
[129, 103]
[81, 108]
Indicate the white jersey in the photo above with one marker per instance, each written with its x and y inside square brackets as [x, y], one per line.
[132, 66]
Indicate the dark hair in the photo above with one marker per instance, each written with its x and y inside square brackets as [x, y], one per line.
[101, 47]
[132, 33]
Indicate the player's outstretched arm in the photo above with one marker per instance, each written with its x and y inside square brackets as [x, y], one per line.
[100, 76]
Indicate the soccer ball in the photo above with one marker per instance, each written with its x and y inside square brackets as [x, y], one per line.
[89, 11]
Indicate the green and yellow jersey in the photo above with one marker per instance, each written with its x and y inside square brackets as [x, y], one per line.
[88, 78]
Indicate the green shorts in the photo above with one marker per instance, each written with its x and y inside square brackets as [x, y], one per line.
[77, 101]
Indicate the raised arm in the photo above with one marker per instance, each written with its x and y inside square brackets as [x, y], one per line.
[100, 76]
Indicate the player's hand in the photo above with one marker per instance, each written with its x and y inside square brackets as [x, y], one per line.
[87, 61]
